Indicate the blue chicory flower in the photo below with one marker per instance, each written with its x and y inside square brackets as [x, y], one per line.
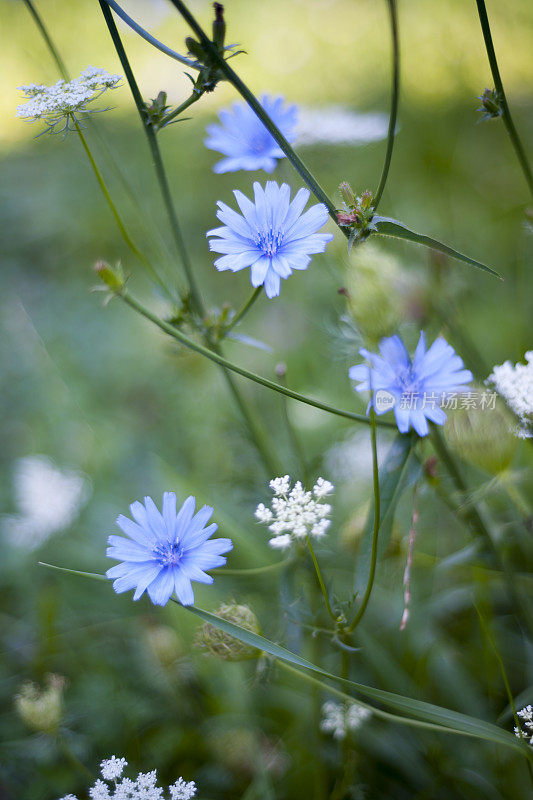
[416, 389]
[165, 552]
[272, 236]
[245, 141]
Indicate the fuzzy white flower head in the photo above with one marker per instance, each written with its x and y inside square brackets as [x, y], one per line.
[182, 790]
[100, 791]
[515, 384]
[64, 100]
[295, 513]
[339, 719]
[69, 797]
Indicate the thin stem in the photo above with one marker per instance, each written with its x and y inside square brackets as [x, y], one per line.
[394, 101]
[498, 85]
[218, 359]
[478, 525]
[73, 758]
[321, 581]
[180, 109]
[377, 520]
[46, 36]
[295, 440]
[244, 310]
[258, 109]
[254, 570]
[488, 633]
[156, 156]
[149, 38]
[122, 228]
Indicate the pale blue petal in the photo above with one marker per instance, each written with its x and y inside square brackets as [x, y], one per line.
[183, 588]
[162, 587]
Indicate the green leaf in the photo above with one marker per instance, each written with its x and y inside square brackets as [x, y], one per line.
[386, 226]
[397, 473]
[413, 712]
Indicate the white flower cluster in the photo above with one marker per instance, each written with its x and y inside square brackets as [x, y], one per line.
[64, 99]
[295, 513]
[143, 788]
[526, 732]
[515, 384]
[339, 719]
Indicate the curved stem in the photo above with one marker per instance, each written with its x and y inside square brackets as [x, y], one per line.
[148, 37]
[244, 310]
[122, 228]
[394, 101]
[46, 36]
[181, 108]
[156, 156]
[321, 581]
[254, 570]
[498, 85]
[258, 109]
[218, 359]
[377, 520]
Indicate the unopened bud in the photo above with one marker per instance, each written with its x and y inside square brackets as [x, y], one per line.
[195, 49]
[347, 194]
[223, 645]
[482, 436]
[491, 104]
[219, 26]
[165, 644]
[281, 369]
[42, 709]
[113, 278]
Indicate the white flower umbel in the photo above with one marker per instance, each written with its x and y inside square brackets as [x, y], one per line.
[295, 513]
[59, 105]
[515, 384]
[526, 729]
[340, 719]
[144, 787]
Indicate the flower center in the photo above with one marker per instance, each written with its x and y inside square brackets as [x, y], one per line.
[408, 381]
[269, 241]
[260, 142]
[167, 553]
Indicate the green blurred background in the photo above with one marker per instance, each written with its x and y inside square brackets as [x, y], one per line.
[107, 398]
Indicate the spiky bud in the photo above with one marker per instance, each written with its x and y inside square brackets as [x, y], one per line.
[219, 26]
[482, 436]
[220, 644]
[113, 278]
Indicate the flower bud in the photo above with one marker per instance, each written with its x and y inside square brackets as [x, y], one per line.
[113, 278]
[195, 49]
[347, 194]
[375, 298]
[223, 645]
[483, 437]
[42, 709]
[219, 26]
[491, 104]
[165, 644]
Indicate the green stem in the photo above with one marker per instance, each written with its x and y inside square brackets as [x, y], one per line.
[377, 520]
[149, 38]
[122, 228]
[254, 104]
[498, 85]
[177, 111]
[46, 36]
[394, 101]
[254, 570]
[488, 633]
[294, 439]
[244, 310]
[321, 581]
[218, 359]
[156, 156]
[73, 758]
[478, 525]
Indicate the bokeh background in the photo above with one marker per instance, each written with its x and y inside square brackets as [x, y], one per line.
[99, 409]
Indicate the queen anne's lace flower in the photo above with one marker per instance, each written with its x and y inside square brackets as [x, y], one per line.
[526, 730]
[245, 141]
[272, 236]
[165, 552]
[295, 513]
[339, 718]
[414, 389]
[64, 100]
[515, 384]
[143, 788]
